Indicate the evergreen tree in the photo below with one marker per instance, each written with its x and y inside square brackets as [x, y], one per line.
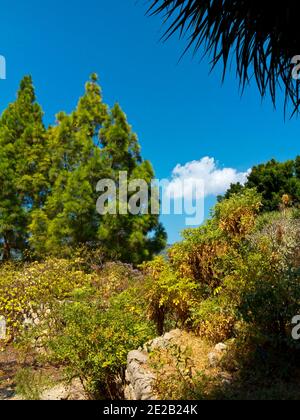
[297, 167]
[134, 237]
[90, 144]
[69, 216]
[23, 168]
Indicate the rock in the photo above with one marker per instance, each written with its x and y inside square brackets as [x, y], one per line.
[215, 356]
[60, 392]
[129, 393]
[162, 342]
[139, 379]
[74, 392]
[175, 334]
[213, 359]
[221, 348]
[137, 356]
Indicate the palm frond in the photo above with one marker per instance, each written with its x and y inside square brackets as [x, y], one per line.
[263, 36]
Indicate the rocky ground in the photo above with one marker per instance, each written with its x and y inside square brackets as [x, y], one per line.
[10, 363]
[140, 376]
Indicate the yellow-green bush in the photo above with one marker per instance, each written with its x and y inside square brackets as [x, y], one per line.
[91, 338]
[214, 320]
[168, 294]
[31, 288]
[245, 268]
[89, 323]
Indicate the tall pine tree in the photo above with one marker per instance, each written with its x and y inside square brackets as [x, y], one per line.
[69, 217]
[23, 168]
[90, 144]
[134, 237]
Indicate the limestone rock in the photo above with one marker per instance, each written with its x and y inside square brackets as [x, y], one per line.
[74, 392]
[215, 356]
[221, 347]
[213, 359]
[139, 379]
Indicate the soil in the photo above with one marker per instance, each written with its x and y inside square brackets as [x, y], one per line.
[9, 365]
[11, 362]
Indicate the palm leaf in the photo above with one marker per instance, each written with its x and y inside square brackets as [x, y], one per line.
[263, 36]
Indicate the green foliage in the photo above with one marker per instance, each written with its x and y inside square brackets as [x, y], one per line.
[33, 289]
[236, 217]
[126, 233]
[264, 279]
[200, 255]
[167, 293]
[49, 177]
[247, 269]
[182, 371]
[214, 319]
[245, 266]
[173, 385]
[23, 168]
[31, 384]
[234, 279]
[88, 319]
[87, 323]
[273, 180]
[92, 338]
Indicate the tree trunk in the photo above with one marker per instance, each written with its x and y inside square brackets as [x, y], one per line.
[6, 251]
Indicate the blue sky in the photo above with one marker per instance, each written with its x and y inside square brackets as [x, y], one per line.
[180, 112]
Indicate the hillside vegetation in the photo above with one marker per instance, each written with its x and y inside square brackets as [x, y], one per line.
[233, 280]
[79, 291]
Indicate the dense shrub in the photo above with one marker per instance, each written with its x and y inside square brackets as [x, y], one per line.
[200, 255]
[92, 338]
[236, 277]
[214, 320]
[27, 289]
[91, 323]
[264, 282]
[246, 267]
[168, 294]
[236, 217]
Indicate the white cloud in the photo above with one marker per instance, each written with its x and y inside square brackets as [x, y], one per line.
[204, 172]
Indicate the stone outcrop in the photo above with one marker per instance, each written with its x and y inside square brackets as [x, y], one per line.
[139, 378]
[60, 392]
[73, 392]
[215, 356]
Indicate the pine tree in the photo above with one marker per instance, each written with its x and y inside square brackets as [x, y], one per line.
[23, 168]
[90, 144]
[134, 237]
[297, 167]
[69, 216]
